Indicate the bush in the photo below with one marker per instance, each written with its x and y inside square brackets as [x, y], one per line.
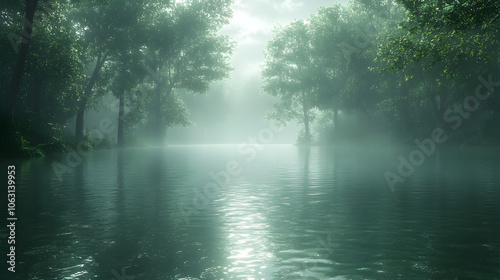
[12, 143]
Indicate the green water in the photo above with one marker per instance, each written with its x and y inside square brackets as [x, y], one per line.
[267, 212]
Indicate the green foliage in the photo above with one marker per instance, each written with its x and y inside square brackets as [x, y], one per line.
[382, 66]
[178, 41]
[457, 15]
[12, 142]
[54, 144]
[51, 81]
[371, 64]
[183, 51]
[291, 74]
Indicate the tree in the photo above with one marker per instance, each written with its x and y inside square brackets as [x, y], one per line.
[290, 73]
[400, 66]
[329, 39]
[448, 15]
[99, 26]
[441, 45]
[126, 54]
[18, 72]
[52, 71]
[185, 52]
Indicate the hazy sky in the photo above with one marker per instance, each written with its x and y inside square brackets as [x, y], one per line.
[235, 109]
[253, 22]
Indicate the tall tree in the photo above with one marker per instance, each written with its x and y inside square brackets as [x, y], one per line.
[126, 54]
[442, 43]
[52, 72]
[18, 72]
[185, 52]
[329, 40]
[99, 28]
[291, 74]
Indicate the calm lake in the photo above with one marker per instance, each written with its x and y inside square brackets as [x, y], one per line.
[265, 212]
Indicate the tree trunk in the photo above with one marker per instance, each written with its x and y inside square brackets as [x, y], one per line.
[438, 108]
[87, 94]
[18, 73]
[121, 113]
[305, 108]
[158, 126]
[79, 118]
[157, 123]
[307, 138]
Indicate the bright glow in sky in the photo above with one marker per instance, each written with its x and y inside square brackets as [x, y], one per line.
[252, 25]
[245, 26]
[241, 106]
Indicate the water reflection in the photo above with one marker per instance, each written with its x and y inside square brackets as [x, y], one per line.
[245, 226]
[293, 213]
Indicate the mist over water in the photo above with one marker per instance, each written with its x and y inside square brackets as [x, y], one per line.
[290, 213]
[235, 139]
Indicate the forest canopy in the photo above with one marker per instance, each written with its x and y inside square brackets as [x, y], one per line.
[388, 69]
[383, 68]
[61, 58]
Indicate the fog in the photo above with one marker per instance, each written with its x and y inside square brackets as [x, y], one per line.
[250, 139]
[235, 109]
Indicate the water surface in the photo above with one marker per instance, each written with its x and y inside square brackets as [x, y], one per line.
[283, 212]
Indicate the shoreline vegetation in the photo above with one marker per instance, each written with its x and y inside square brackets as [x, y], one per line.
[363, 73]
[17, 145]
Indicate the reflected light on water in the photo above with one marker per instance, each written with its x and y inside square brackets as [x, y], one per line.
[246, 230]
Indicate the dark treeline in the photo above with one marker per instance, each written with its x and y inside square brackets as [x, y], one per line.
[60, 58]
[397, 69]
